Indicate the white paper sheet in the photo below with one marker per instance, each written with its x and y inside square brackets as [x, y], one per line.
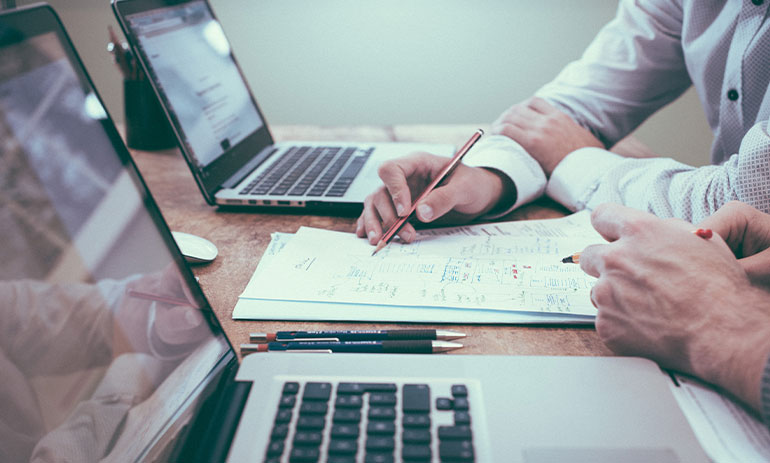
[507, 272]
[725, 430]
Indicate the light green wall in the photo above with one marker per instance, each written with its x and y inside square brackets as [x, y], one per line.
[333, 62]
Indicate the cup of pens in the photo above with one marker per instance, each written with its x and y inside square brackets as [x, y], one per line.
[147, 127]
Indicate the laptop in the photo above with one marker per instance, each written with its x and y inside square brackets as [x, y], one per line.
[111, 352]
[222, 132]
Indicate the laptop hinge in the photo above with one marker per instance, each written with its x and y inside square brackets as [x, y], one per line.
[249, 167]
[212, 433]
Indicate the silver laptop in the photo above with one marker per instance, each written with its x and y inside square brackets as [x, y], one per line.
[220, 129]
[110, 351]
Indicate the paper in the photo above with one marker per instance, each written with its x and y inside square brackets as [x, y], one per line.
[500, 267]
[725, 430]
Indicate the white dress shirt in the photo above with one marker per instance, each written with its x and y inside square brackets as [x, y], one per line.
[642, 60]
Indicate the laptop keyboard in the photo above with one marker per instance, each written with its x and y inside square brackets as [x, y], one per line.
[369, 422]
[309, 171]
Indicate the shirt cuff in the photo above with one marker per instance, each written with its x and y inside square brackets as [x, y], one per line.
[577, 176]
[501, 153]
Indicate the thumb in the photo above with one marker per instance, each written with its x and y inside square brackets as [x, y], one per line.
[438, 202]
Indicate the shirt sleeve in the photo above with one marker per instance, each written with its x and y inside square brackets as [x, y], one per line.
[500, 153]
[591, 176]
[634, 66]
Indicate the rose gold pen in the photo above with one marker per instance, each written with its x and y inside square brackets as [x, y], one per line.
[443, 175]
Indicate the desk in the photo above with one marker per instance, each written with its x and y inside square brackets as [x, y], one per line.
[242, 238]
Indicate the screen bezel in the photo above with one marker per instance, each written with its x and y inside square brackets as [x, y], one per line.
[37, 19]
[211, 177]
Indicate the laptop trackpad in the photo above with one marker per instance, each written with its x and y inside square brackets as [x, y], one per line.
[598, 455]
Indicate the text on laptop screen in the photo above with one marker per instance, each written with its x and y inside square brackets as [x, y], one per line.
[190, 58]
[102, 341]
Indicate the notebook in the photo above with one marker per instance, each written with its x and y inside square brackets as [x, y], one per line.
[110, 351]
[222, 132]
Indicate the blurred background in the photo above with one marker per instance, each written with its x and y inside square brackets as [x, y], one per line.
[358, 62]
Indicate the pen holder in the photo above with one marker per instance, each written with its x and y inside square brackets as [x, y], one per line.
[146, 125]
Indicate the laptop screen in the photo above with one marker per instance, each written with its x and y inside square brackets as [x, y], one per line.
[104, 336]
[189, 59]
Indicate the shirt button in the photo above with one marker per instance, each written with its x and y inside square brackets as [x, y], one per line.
[732, 94]
[757, 2]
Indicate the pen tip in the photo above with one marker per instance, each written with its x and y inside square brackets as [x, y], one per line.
[446, 335]
[445, 346]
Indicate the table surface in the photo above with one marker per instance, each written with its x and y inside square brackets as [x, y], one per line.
[242, 237]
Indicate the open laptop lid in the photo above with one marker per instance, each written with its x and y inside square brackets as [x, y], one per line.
[188, 59]
[106, 341]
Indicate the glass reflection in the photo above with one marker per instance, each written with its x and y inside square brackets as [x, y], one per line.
[101, 340]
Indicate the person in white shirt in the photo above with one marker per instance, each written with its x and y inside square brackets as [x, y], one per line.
[556, 143]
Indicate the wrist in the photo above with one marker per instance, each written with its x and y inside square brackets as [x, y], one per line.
[735, 354]
[503, 192]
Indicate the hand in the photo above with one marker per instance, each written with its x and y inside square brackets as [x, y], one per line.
[470, 192]
[681, 300]
[546, 133]
[165, 330]
[747, 232]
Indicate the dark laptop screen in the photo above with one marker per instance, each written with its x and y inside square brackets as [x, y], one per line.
[104, 337]
[191, 62]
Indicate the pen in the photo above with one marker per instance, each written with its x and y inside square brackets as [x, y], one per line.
[158, 298]
[444, 174]
[356, 335]
[704, 233]
[421, 346]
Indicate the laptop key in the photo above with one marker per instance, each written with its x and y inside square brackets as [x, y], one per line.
[382, 413]
[344, 430]
[454, 432]
[304, 454]
[313, 408]
[311, 422]
[308, 438]
[380, 398]
[378, 443]
[459, 390]
[317, 391]
[343, 447]
[341, 459]
[275, 448]
[416, 398]
[416, 453]
[379, 458]
[287, 401]
[283, 416]
[443, 403]
[360, 388]
[280, 431]
[455, 450]
[416, 421]
[346, 416]
[381, 427]
[462, 418]
[416, 436]
[290, 388]
[461, 403]
[349, 401]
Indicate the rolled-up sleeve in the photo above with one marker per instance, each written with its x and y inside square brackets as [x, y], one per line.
[633, 67]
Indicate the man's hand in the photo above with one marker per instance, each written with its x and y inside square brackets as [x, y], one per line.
[468, 193]
[546, 133]
[681, 300]
[747, 232]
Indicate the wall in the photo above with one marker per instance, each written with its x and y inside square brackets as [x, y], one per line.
[335, 62]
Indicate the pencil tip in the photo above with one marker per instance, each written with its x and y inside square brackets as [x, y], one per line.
[567, 260]
[380, 245]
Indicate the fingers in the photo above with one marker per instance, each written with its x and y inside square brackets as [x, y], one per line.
[379, 213]
[757, 268]
[745, 229]
[592, 259]
[613, 220]
[395, 175]
[541, 106]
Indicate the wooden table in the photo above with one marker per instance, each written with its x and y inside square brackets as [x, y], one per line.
[243, 236]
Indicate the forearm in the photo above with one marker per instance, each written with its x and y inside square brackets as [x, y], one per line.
[667, 188]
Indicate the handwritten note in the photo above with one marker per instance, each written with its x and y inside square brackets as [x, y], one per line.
[510, 266]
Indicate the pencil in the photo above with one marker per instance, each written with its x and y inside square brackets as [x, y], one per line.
[573, 259]
[443, 175]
